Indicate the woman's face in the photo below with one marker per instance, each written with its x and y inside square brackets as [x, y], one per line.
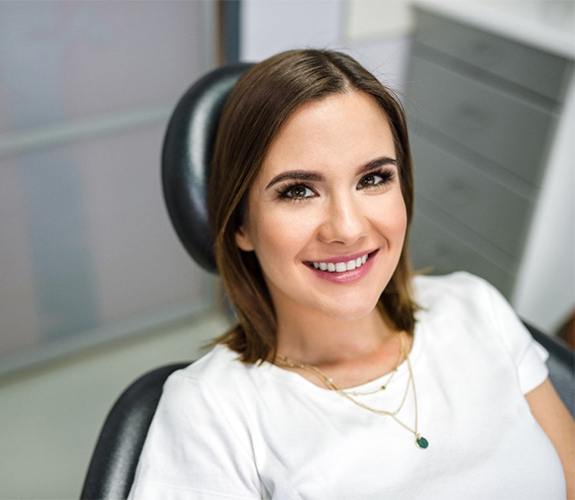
[328, 193]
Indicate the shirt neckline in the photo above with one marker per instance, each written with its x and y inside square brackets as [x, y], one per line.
[296, 379]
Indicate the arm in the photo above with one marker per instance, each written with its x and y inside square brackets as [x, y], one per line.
[533, 377]
[556, 421]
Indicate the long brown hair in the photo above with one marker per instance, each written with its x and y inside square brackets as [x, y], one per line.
[257, 107]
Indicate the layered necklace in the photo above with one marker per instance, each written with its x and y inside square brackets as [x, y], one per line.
[420, 441]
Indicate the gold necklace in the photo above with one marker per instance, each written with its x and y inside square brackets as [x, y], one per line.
[328, 381]
[332, 383]
[420, 441]
[388, 381]
[324, 377]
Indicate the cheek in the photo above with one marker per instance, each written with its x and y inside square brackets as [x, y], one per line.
[282, 235]
[401, 217]
[391, 215]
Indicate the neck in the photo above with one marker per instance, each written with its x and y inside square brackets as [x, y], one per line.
[317, 339]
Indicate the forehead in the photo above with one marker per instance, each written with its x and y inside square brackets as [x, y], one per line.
[336, 133]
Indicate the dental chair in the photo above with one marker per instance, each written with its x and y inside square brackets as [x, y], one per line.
[186, 157]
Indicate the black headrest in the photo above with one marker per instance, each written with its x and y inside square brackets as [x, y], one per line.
[186, 156]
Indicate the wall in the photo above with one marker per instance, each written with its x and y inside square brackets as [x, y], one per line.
[546, 289]
[383, 46]
[85, 239]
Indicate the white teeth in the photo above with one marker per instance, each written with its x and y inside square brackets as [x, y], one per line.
[341, 267]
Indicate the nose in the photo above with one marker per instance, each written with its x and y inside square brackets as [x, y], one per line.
[344, 221]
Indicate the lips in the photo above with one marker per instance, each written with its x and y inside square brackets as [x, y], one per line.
[343, 258]
[347, 277]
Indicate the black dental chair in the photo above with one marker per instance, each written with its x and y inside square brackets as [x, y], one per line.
[185, 158]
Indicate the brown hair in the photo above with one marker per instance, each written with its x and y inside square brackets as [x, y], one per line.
[257, 107]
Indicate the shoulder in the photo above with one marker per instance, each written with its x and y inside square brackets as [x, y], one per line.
[196, 411]
[469, 304]
[210, 392]
[474, 297]
[455, 281]
[219, 371]
[211, 364]
[462, 297]
[455, 292]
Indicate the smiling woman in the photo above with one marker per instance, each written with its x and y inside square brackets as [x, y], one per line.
[309, 172]
[336, 213]
[346, 376]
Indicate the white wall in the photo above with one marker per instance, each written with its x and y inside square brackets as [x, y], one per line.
[382, 47]
[546, 288]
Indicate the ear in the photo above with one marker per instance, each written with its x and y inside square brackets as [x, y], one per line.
[243, 240]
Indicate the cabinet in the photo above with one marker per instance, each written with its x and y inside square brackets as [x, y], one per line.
[482, 110]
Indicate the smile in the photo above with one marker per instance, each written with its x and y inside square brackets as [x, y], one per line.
[343, 271]
[340, 267]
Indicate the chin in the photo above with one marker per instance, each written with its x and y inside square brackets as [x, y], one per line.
[349, 312]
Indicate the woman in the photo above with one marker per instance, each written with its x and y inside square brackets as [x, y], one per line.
[346, 377]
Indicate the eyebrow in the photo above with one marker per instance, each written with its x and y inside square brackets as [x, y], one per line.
[310, 175]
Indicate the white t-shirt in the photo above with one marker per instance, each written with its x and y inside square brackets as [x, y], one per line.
[225, 430]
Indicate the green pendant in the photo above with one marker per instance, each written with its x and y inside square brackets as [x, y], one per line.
[422, 442]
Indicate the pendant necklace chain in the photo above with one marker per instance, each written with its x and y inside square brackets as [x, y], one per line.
[420, 441]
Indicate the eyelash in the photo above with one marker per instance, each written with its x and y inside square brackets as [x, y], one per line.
[387, 175]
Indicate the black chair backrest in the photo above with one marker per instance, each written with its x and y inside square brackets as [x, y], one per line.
[115, 458]
[186, 157]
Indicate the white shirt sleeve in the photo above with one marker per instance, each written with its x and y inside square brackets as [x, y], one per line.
[193, 450]
[528, 355]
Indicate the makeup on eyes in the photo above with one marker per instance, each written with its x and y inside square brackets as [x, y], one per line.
[308, 175]
[386, 174]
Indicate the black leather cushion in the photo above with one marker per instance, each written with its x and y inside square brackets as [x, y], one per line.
[115, 458]
[186, 156]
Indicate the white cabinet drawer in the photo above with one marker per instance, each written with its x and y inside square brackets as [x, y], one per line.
[498, 126]
[541, 72]
[468, 194]
[433, 244]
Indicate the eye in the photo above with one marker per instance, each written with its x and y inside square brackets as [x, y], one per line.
[295, 192]
[377, 179]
